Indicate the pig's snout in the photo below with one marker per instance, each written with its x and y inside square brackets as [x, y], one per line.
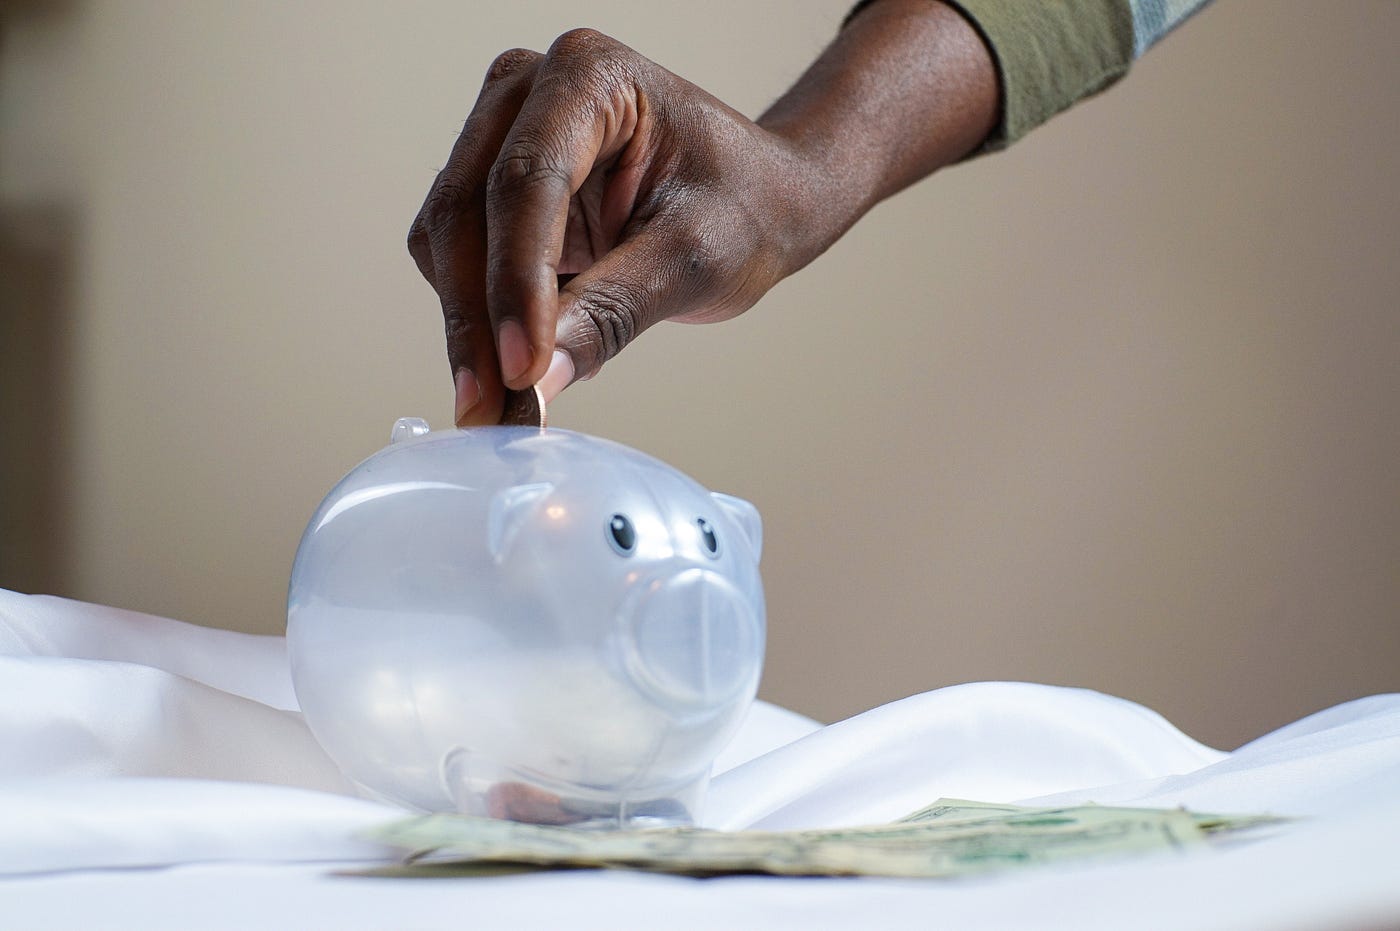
[694, 639]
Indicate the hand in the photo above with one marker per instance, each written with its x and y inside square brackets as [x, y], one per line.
[591, 194]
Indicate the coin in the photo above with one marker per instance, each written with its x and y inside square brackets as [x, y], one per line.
[524, 408]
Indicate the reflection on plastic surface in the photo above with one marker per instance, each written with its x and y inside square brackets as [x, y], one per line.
[537, 625]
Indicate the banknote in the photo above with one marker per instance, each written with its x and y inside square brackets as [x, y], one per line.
[951, 837]
[947, 810]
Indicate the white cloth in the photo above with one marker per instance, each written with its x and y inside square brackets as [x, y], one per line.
[127, 740]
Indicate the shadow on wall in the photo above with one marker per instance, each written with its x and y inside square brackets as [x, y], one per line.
[37, 255]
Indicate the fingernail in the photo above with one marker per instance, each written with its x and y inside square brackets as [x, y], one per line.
[558, 376]
[468, 393]
[513, 349]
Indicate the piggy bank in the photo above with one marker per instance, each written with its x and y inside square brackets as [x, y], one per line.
[529, 624]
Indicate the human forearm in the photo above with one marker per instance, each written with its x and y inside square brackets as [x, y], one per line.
[593, 193]
[905, 89]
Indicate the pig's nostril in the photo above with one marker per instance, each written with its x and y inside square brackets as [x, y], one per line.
[694, 640]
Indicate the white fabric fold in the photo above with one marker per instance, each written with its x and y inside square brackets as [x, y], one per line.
[251, 666]
[67, 717]
[993, 741]
[128, 740]
[1340, 760]
[1335, 874]
[73, 824]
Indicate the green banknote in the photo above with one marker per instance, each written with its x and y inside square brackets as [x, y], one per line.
[951, 837]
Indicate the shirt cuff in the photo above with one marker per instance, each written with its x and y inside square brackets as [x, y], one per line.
[1049, 54]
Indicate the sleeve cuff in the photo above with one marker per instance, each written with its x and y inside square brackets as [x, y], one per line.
[1049, 54]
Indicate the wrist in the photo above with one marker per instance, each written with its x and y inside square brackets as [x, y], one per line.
[827, 186]
[907, 87]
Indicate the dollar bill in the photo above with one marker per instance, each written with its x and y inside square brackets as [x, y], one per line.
[951, 837]
[1210, 825]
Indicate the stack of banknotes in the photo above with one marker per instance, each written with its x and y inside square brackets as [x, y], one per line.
[951, 837]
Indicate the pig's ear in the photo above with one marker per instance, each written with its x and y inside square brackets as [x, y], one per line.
[510, 510]
[746, 516]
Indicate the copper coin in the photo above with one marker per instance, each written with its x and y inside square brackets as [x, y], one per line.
[524, 408]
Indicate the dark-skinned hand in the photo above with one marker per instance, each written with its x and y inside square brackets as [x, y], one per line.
[593, 193]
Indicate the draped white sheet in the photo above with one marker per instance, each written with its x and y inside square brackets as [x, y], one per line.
[133, 741]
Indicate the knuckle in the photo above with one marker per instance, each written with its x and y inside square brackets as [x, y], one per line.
[448, 200]
[417, 238]
[695, 256]
[421, 250]
[611, 318]
[457, 326]
[458, 343]
[466, 332]
[509, 62]
[523, 164]
[579, 45]
[586, 59]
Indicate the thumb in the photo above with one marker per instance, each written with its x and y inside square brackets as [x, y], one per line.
[648, 277]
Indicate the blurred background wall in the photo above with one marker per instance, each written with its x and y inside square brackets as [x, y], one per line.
[1118, 409]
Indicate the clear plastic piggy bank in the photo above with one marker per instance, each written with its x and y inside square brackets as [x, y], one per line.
[527, 624]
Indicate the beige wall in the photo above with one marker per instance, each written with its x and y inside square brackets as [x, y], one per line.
[1116, 409]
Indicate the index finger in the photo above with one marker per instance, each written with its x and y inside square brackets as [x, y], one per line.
[582, 110]
[449, 237]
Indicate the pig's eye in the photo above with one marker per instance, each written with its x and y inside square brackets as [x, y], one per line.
[622, 535]
[707, 536]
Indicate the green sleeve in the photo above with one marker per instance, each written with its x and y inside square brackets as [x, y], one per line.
[1049, 54]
